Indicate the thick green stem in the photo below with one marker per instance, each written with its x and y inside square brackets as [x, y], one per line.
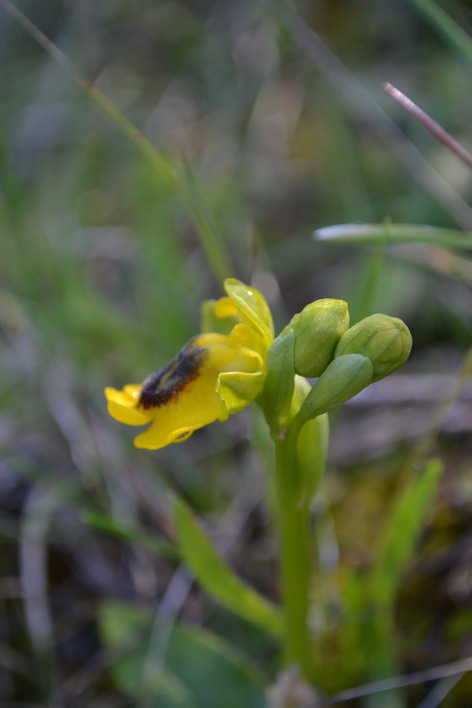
[293, 521]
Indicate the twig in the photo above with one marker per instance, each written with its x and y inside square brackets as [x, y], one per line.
[39, 509]
[436, 696]
[363, 105]
[161, 631]
[455, 668]
[430, 124]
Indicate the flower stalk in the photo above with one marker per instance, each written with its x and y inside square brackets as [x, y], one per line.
[293, 529]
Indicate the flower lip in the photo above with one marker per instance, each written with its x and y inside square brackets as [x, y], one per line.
[166, 383]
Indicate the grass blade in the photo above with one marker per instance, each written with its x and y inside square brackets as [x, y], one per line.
[161, 164]
[393, 234]
[405, 524]
[448, 27]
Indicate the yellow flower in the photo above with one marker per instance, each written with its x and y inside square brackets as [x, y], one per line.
[214, 375]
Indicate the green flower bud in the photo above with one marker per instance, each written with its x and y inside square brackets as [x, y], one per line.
[385, 340]
[342, 379]
[318, 328]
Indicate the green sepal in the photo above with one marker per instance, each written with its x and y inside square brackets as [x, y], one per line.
[340, 381]
[301, 390]
[276, 398]
[312, 448]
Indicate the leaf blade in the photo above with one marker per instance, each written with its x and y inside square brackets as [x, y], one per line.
[216, 577]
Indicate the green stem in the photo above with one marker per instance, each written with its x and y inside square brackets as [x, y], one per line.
[293, 519]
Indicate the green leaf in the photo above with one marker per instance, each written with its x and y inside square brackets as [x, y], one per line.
[219, 580]
[194, 668]
[369, 623]
[451, 30]
[216, 674]
[367, 284]
[404, 527]
[171, 692]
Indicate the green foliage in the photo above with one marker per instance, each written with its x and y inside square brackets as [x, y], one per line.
[189, 666]
[370, 599]
[447, 26]
[107, 251]
[403, 527]
[215, 576]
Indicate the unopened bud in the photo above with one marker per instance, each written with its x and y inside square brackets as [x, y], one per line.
[342, 379]
[318, 328]
[385, 340]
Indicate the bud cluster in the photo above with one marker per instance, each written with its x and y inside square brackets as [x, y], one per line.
[318, 343]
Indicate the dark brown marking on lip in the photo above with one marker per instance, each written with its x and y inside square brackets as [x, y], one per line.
[163, 385]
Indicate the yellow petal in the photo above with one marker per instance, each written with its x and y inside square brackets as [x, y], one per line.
[193, 407]
[130, 416]
[253, 307]
[219, 315]
[225, 307]
[208, 340]
[154, 438]
[128, 396]
[122, 405]
[227, 354]
[250, 343]
[189, 403]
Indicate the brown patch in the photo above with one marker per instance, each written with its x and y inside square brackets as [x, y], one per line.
[162, 386]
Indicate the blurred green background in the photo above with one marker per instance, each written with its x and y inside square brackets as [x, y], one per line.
[274, 132]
